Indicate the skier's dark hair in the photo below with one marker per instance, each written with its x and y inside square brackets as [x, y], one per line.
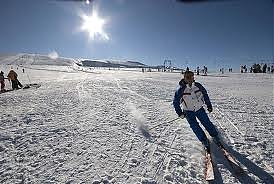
[188, 74]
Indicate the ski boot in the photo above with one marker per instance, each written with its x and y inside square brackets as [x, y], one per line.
[217, 141]
[206, 146]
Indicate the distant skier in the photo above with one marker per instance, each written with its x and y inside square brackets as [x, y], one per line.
[14, 81]
[192, 95]
[205, 70]
[264, 68]
[268, 69]
[2, 81]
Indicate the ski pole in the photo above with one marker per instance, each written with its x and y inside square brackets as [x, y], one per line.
[29, 78]
[10, 84]
[164, 123]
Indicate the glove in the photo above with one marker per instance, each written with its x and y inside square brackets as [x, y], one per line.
[209, 109]
[182, 116]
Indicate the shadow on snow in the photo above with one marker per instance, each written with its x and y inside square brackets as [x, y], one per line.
[238, 173]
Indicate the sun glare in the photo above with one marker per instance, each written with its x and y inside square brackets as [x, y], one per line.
[93, 24]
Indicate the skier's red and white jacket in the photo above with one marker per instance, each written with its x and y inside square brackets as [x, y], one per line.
[192, 98]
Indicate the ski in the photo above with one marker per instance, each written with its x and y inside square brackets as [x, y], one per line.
[26, 86]
[209, 172]
[231, 160]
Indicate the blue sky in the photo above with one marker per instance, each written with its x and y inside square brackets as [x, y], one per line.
[216, 34]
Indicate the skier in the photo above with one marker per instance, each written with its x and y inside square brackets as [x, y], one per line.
[205, 70]
[192, 95]
[14, 81]
[2, 81]
[264, 68]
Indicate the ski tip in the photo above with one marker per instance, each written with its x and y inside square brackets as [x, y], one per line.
[209, 171]
[210, 179]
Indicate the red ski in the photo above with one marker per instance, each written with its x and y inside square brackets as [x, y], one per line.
[209, 172]
[232, 161]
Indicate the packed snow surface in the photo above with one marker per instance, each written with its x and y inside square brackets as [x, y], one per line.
[100, 126]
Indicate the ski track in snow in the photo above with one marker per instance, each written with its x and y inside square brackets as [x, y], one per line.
[83, 127]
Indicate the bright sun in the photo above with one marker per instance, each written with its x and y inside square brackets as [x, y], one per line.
[94, 26]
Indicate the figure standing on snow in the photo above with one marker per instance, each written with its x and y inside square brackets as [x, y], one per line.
[2, 81]
[192, 95]
[198, 70]
[14, 81]
[205, 70]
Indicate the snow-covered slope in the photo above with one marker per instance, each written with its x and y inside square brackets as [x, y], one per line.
[81, 127]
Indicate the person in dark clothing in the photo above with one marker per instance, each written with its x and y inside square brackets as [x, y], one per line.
[2, 81]
[264, 68]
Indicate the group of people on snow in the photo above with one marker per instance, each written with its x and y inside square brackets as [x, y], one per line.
[13, 77]
[198, 70]
[260, 68]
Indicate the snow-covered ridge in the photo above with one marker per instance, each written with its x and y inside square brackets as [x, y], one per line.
[112, 63]
[38, 59]
[34, 59]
